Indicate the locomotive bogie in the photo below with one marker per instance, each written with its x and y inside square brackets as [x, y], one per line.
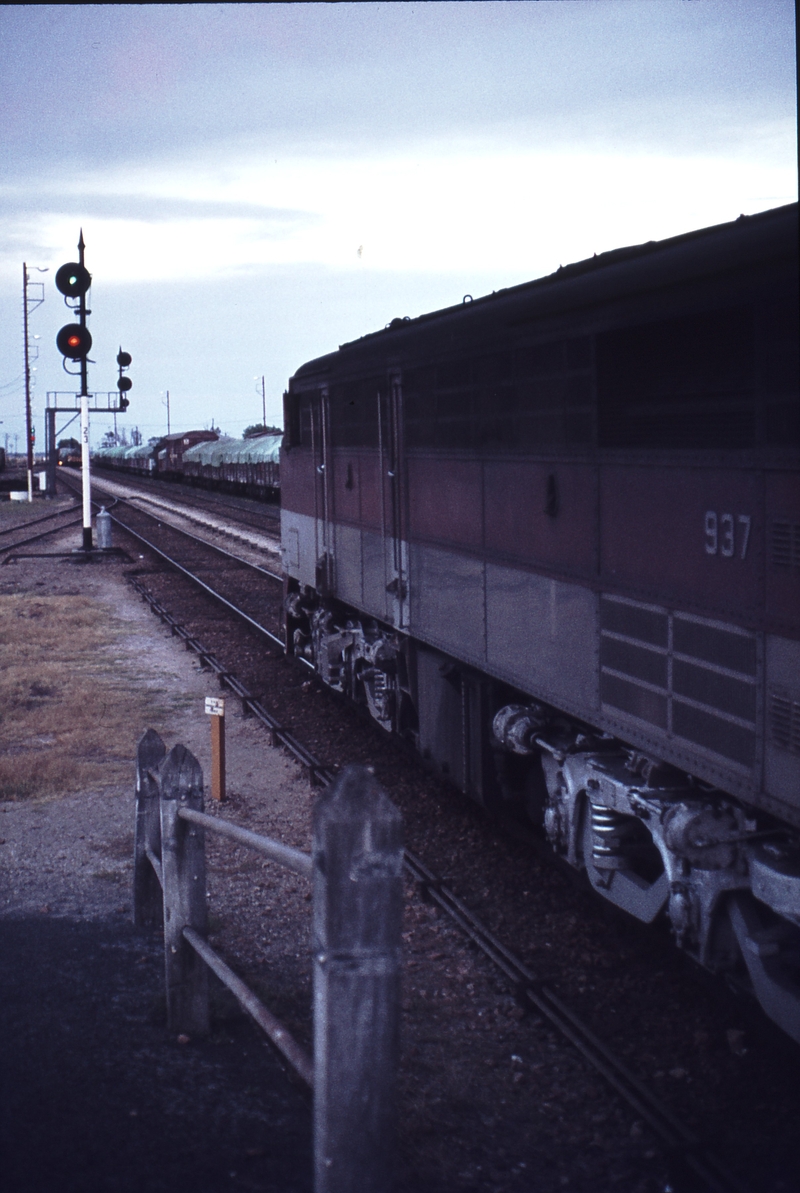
[652, 840]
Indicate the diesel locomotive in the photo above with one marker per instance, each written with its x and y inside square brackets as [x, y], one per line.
[552, 537]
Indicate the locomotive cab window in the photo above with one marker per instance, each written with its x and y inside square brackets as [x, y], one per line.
[539, 396]
[678, 383]
[354, 412]
[298, 418]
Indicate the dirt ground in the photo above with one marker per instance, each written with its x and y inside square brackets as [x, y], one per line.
[94, 1093]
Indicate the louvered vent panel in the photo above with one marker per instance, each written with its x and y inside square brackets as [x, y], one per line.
[784, 722]
[786, 544]
[691, 677]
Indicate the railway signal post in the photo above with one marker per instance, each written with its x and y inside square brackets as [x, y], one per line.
[74, 342]
[124, 384]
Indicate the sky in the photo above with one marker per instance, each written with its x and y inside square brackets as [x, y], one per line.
[259, 183]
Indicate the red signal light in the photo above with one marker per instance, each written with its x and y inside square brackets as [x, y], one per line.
[74, 341]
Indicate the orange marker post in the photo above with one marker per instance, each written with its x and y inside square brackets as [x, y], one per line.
[215, 708]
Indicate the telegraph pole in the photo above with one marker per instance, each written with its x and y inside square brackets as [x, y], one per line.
[263, 404]
[29, 304]
[28, 427]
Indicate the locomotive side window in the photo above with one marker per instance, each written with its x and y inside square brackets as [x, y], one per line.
[305, 420]
[420, 414]
[297, 415]
[555, 394]
[540, 395]
[354, 412]
[685, 382]
[291, 420]
[779, 369]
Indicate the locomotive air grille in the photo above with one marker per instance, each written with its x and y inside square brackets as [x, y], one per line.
[689, 677]
[784, 722]
[786, 544]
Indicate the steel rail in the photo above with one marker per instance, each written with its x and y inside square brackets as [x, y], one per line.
[194, 538]
[201, 497]
[667, 1126]
[677, 1138]
[278, 734]
[217, 596]
[38, 521]
[7, 547]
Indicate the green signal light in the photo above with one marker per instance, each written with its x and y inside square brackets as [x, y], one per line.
[73, 279]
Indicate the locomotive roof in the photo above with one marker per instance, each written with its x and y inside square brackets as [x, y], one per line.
[177, 436]
[745, 241]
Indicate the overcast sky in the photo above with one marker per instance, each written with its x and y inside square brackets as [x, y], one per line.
[259, 183]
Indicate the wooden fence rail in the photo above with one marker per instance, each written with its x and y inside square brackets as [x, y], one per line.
[355, 867]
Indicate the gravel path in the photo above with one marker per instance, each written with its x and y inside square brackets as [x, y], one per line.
[95, 1094]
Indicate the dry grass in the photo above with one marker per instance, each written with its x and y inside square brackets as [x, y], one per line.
[71, 708]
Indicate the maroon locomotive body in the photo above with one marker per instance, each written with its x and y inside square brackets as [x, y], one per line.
[553, 537]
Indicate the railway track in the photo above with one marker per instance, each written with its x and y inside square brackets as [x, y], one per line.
[20, 537]
[256, 515]
[228, 579]
[695, 1166]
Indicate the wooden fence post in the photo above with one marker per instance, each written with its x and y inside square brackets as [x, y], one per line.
[147, 898]
[358, 909]
[183, 869]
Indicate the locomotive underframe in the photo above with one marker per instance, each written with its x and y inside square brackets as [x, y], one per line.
[653, 840]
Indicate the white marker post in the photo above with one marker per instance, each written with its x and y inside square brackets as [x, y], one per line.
[215, 708]
[85, 473]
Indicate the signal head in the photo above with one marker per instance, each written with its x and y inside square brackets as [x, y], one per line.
[123, 359]
[73, 280]
[124, 402]
[124, 384]
[74, 341]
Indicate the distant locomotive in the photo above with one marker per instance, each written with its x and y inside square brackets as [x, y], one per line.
[69, 453]
[552, 536]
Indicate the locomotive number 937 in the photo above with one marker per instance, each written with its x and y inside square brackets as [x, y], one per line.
[552, 536]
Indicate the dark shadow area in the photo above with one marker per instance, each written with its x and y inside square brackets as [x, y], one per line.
[96, 1094]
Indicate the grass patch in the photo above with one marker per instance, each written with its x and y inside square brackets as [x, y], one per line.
[71, 710]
